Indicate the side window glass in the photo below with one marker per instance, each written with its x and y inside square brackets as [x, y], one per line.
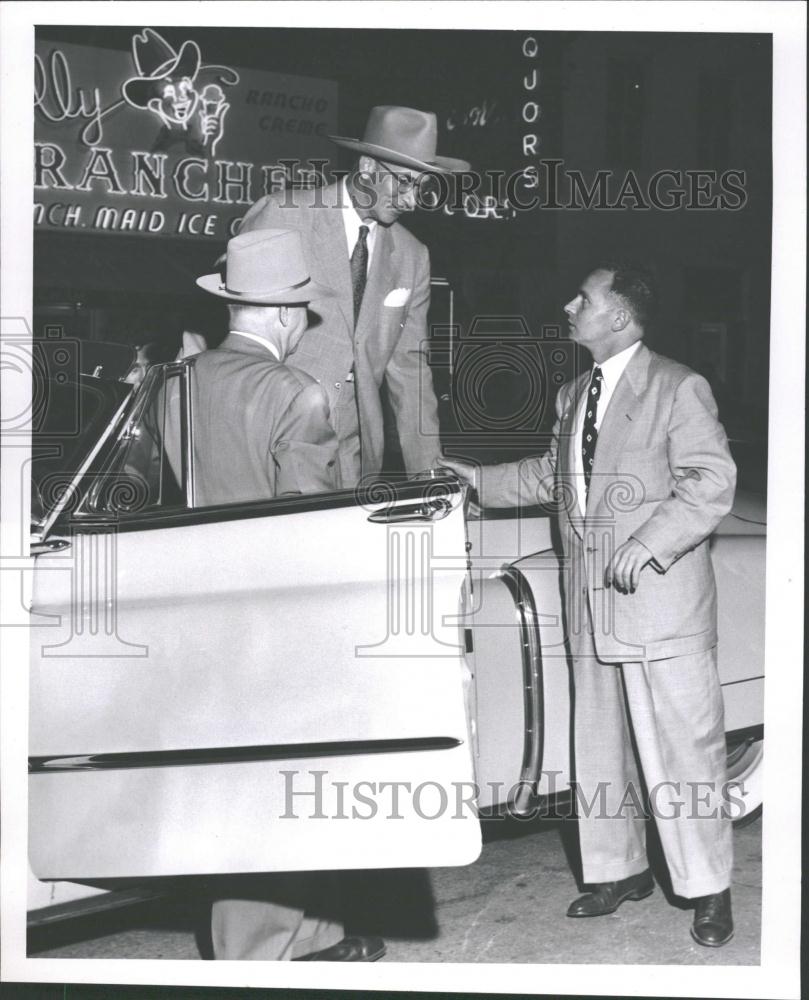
[148, 468]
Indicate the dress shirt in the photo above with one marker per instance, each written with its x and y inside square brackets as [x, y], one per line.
[611, 371]
[352, 223]
[259, 340]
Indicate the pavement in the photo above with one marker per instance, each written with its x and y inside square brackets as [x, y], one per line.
[507, 907]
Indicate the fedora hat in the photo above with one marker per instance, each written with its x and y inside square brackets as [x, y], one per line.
[404, 136]
[265, 268]
[154, 60]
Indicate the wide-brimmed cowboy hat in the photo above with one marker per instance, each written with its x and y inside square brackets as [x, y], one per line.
[265, 268]
[154, 60]
[403, 136]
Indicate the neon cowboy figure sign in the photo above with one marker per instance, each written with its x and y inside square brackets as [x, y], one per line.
[151, 139]
[166, 84]
[183, 94]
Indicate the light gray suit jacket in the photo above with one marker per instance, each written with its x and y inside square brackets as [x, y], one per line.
[261, 428]
[663, 474]
[389, 342]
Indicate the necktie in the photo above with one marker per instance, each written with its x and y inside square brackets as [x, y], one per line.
[359, 269]
[589, 434]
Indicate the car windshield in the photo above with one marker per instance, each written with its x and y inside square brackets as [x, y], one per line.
[70, 417]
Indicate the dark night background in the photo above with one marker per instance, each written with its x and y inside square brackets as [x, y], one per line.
[615, 101]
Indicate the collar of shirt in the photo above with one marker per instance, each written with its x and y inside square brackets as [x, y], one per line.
[259, 340]
[612, 369]
[352, 223]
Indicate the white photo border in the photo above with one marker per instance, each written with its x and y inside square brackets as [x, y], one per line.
[778, 974]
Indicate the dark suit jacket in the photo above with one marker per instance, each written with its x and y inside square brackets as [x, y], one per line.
[261, 428]
[663, 474]
[389, 341]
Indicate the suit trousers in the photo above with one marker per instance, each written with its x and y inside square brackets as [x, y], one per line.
[658, 723]
[275, 918]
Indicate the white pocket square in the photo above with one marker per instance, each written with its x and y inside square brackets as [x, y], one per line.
[397, 297]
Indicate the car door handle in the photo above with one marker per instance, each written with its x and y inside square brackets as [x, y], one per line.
[51, 545]
[425, 510]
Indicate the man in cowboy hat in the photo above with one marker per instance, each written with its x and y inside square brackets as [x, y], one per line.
[262, 429]
[375, 327]
[262, 426]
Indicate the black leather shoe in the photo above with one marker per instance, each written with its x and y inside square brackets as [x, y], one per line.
[350, 949]
[713, 920]
[606, 897]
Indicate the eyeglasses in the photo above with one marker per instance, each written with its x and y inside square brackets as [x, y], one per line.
[421, 186]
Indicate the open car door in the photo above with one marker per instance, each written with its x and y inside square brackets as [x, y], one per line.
[275, 685]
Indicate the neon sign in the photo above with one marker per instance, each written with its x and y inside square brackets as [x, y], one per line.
[531, 112]
[165, 84]
[157, 141]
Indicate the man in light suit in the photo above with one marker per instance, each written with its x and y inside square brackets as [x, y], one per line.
[261, 430]
[261, 426]
[640, 469]
[375, 327]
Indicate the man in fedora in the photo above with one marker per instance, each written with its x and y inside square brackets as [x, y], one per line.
[261, 430]
[262, 427]
[375, 327]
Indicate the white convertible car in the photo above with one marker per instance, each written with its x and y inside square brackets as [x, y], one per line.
[342, 680]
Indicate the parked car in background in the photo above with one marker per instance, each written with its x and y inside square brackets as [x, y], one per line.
[343, 680]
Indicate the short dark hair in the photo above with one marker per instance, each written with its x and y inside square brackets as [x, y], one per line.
[635, 285]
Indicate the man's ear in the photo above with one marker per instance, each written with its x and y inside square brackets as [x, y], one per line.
[283, 315]
[621, 320]
[367, 165]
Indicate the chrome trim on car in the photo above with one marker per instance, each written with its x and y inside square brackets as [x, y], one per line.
[188, 434]
[428, 510]
[115, 899]
[235, 755]
[41, 548]
[527, 619]
[744, 735]
[368, 496]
